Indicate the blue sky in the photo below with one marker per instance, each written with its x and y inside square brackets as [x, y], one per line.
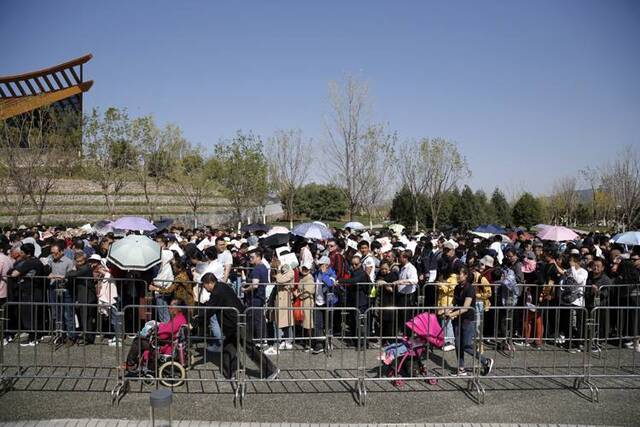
[529, 90]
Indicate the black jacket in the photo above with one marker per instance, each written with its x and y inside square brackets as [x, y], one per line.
[224, 299]
[83, 284]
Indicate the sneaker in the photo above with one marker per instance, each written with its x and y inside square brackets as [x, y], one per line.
[595, 348]
[285, 345]
[637, 348]
[488, 366]
[574, 350]
[460, 373]
[521, 343]
[5, 341]
[29, 344]
[448, 347]
[317, 350]
[271, 351]
[560, 340]
[113, 342]
[628, 344]
[274, 374]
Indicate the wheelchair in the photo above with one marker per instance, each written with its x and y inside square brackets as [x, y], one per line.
[170, 369]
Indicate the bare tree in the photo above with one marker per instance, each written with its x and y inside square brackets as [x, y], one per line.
[194, 180]
[347, 130]
[13, 200]
[621, 179]
[445, 167]
[109, 156]
[412, 172]
[288, 157]
[36, 148]
[592, 177]
[376, 168]
[565, 198]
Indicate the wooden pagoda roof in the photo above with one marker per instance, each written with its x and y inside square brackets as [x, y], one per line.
[61, 85]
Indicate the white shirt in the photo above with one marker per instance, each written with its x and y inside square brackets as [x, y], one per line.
[225, 258]
[497, 246]
[369, 263]
[580, 275]
[205, 243]
[408, 272]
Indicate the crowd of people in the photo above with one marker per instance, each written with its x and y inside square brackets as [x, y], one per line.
[540, 289]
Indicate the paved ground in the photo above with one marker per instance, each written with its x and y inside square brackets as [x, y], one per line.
[324, 397]
[126, 423]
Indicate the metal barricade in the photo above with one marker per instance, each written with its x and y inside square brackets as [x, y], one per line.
[615, 346]
[406, 350]
[534, 342]
[300, 344]
[35, 349]
[187, 358]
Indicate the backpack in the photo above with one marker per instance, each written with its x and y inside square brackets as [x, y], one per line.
[510, 283]
[345, 267]
[570, 290]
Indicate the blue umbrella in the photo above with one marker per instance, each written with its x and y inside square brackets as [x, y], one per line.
[490, 228]
[312, 230]
[631, 238]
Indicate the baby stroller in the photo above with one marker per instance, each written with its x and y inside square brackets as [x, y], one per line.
[405, 358]
[169, 367]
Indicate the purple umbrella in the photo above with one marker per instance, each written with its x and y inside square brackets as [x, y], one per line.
[133, 223]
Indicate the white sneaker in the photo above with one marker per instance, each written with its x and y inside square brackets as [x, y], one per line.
[29, 344]
[629, 344]
[637, 348]
[560, 340]
[448, 347]
[5, 341]
[113, 342]
[285, 345]
[271, 351]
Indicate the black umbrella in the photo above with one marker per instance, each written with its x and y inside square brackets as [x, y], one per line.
[163, 224]
[253, 228]
[275, 240]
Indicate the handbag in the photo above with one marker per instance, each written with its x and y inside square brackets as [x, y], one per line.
[298, 313]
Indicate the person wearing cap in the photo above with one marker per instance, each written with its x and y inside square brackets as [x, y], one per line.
[325, 279]
[28, 272]
[482, 284]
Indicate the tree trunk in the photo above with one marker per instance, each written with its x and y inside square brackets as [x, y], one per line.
[40, 209]
[150, 210]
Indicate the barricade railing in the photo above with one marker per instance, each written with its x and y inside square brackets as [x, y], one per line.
[615, 347]
[576, 344]
[189, 353]
[108, 292]
[404, 344]
[34, 348]
[286, 331]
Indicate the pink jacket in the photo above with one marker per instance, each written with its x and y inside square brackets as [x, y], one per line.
[168, 331]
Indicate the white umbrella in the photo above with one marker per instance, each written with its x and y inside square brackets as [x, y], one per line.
[134, 252]
[631, 238]
[312, 230]
[354, 225]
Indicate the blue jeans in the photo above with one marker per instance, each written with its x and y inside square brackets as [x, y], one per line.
[465, 331]
[216, 333]
[62, 311]
[162, 309]
[449, 337]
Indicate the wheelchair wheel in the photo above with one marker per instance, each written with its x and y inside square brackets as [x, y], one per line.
[171, 374]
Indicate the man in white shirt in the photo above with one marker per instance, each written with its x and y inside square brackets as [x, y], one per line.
[367, 259]
[407, 282]
[224, 257]
[571, 320]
